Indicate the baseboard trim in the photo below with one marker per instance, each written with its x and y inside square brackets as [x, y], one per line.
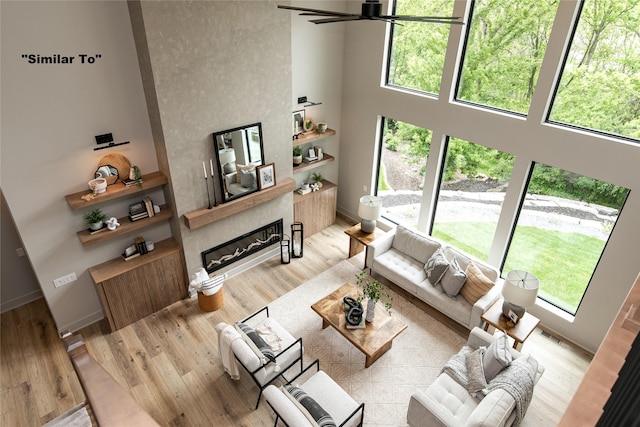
[20, 301]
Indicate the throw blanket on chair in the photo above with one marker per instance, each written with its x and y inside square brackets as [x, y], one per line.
[227, 334]
[517, 379]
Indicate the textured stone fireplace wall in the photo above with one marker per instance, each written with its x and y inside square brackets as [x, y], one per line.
[208, 66]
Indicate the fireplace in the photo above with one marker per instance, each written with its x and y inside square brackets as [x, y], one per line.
[227, 253]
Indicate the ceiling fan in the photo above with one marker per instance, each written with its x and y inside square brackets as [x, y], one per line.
[371, 10]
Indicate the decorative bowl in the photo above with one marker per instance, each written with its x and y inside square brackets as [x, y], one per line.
[321, 127]
[98, 185]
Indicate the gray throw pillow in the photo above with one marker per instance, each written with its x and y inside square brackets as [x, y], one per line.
[322, 417]
[453, 279]
[248, 178]
[436, 266]
[475, 371]
[497, 357]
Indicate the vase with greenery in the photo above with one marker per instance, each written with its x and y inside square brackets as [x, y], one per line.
[374, 291]
[297, 155]
[135, 175]
[94, 219]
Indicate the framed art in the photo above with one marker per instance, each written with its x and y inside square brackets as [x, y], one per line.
[298, 121]
[266, 176]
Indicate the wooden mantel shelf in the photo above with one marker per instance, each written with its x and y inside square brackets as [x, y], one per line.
[204, 216]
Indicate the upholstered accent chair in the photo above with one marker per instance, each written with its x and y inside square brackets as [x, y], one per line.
[318, 401]
[264, 349]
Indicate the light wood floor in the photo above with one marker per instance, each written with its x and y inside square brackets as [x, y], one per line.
[169, 362]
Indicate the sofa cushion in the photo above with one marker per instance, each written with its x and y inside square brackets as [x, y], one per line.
[475, 370]
[240, 168]
[463, 259]
[477, 284]
[497, 357]
[453, 279]
[414, 244]
[436, 266]
[494, 410]
[248, 178]
[401, 269]
[456, 308]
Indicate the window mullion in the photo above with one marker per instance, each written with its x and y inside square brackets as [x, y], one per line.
[437, 151]
[453, 53]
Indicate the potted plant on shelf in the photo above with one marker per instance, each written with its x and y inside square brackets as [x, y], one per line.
[297, 155]
[316, 177]
[375, 291]
[135, 175]
[95, 219]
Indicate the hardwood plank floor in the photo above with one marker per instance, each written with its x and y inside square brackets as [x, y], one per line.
[168, 361]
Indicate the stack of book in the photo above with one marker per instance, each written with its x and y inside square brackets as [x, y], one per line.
[129, 182]
[130, 252]
[141, 210]
[140, 245]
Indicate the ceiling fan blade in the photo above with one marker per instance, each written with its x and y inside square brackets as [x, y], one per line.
[311, 11]
[327, 14]
[430, 19]
[337, 19]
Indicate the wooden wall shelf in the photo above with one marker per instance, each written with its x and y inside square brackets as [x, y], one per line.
[204, 216]
[326, 158]
[313, 136]
[126, 226]
[117, 190]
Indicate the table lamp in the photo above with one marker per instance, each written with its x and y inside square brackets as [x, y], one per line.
[519, 291]
[369, 211]
[227, 157]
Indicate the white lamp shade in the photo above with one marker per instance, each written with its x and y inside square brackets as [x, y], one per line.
[227, 156]
[520, 288]
[369, 207]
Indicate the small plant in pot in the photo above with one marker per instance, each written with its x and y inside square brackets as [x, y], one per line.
[374, 291]
[316, 177]
[95, 219]
[135, 175]
[297, 155]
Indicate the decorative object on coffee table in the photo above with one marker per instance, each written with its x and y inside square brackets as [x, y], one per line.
[520, 291]
[369, 212]
[375, 291]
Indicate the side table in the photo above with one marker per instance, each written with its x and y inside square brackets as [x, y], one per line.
[519, 332]
[359, 240]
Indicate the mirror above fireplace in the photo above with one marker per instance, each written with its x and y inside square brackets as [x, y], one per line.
[239, 152]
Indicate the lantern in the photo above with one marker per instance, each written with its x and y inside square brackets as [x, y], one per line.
[285, 249]
[297, 239]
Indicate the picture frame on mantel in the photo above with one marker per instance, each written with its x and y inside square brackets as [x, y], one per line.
[266, 176]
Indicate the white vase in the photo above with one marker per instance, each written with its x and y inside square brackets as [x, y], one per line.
[96, 226]
[371, 310]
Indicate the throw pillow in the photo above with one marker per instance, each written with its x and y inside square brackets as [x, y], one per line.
[240, 168]
[436, 266]
[264, 351]
[248, 178]
[475, 371]
[497, 357]
[477, 284]
[318, 413]
[453, 279]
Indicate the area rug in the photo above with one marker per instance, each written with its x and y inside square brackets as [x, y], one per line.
[413, 362]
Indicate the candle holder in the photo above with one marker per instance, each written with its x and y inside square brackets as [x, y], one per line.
[206, 184]
[297, 239]
[285, 249]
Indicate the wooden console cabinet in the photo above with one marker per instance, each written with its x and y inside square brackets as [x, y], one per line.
[316, 210]
[131, 290]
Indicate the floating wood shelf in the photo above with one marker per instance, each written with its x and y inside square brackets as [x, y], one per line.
[204, 216]
[313, 136]
[126, 226]
[326, 158]
[114, 191]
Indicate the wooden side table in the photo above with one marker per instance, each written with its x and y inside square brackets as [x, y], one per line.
[359, 240]
[519, 332]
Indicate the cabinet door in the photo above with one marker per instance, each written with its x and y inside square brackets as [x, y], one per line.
[142, 291]
[317, 211]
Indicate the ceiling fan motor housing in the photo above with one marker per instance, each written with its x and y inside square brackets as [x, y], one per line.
[371, 8]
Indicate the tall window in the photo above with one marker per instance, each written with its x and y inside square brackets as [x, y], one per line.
[417, 49]
[600, 84]
[506, 42]
[562, 230]
[403, 158]
[471, 193]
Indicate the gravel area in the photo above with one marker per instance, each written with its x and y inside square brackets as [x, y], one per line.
[483, 197]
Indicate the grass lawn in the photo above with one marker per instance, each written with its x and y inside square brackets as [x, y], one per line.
[562, 261]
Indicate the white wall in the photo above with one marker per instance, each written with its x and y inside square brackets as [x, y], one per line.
[364, 101]
[50, 115]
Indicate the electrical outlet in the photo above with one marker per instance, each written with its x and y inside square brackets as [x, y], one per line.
[302, 99]
[364, 188]
[61, 281]
[20, 252]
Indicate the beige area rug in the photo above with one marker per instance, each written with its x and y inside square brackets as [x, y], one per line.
[75, 417]
[414, 361]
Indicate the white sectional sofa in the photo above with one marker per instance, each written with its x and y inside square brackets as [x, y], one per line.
[401, 254]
